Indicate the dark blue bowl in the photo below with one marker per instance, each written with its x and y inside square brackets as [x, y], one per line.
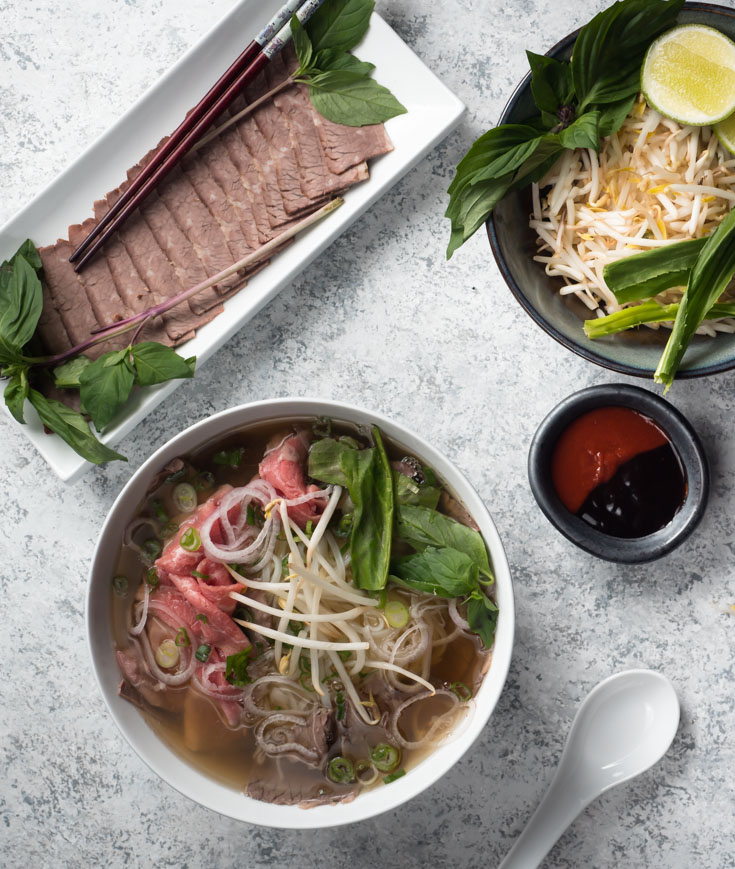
[513, 244]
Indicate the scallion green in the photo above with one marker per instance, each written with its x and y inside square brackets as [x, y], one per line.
[185, 498]
[340, 770]
[182, 638]
[202, 653]
[190, 540]
[385, 756]
[120, 585]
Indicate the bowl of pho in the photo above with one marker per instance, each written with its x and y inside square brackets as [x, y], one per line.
[297, 604]
[561, 242]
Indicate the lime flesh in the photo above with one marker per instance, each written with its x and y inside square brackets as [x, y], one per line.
[689, 75]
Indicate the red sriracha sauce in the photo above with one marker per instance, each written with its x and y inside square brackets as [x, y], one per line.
[617, 470]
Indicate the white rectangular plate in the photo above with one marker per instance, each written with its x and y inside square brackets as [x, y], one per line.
[432, 113]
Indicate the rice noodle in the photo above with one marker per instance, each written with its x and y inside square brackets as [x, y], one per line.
[654, 183]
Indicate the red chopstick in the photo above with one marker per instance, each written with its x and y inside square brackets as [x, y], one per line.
[255, 57]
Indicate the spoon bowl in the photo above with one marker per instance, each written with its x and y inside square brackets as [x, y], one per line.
[624, 726]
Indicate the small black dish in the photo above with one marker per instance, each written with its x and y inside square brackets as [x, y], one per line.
[685, 442]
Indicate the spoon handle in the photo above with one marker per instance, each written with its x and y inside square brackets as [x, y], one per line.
[559, 807]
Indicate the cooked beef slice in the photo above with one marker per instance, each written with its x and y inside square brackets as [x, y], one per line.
[67, 291]
[100, 287]
[50, 325]
[219, 206]
[156, 269]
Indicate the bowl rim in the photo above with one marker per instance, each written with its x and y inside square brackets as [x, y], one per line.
[685, 441]
[565, 341]
[171, 767]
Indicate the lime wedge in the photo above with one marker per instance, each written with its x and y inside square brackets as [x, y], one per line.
[689, 75]
[725, 132]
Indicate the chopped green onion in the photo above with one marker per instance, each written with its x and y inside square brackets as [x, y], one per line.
[394, 775]
[309, 528]
[152, 578]
[340, 770]
[285, 570]
[462, 691]
[255, 515]
[120, 585]
[159, 511]
[185, 497]
[204, 480]
[243, 613]
[344, 526]
[322, 427]
[201, 618]
[190, 540]
[233, 457]
[151, 548]
[236, 668]
[168, 529]
[396, 614]
[167, 655]
[204, 576]
[344, 654]
[340, 703]
[385, 756]
[177, 476]
[182, 637]
[202, 653]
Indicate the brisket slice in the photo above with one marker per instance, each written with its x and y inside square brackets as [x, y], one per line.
[156, 270]
[51, 327]
[100, 287]
[224, 172]
[250, 178]
[130, 287]
[276, 134]
[219, 206]
[264, 162]
[195, 221]
[67, 291]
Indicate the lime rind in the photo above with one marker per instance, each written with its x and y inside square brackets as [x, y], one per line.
[725, 132]
[678, 99]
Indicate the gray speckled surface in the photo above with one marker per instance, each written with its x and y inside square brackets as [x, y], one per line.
[383, 321]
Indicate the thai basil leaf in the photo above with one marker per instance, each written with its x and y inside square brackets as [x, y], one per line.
[646, 274]
[612, 115]
[66, 376]
[28, 251]
[16, 392]
[105, 386]
[157, 363]
[72, 428]
[21, 302]
[421, 527]
[609, 50]
[325, 462]
[339, 24]
[583, 133]
[332, 59]
[482, 616]
[352, 99]
[407, 491]
[711, 274]
[551, 83]
[371, 491]
[441, 572]
[301, 43]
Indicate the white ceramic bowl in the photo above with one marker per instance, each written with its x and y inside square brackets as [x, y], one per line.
[170, 766]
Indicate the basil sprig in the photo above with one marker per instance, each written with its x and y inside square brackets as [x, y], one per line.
[104, 385]
[366, 473]
[340, 85]
[579, 103]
